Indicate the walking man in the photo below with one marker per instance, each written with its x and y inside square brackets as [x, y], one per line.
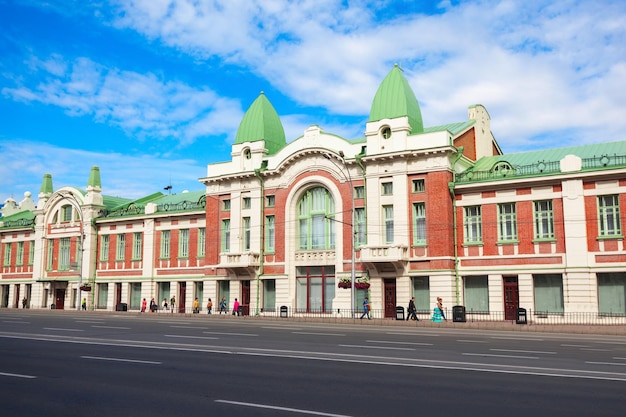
[412, 310]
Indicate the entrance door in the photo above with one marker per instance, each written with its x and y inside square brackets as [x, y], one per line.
[59, 302]
[182, 291]
[17, 296]
[511, 298]
[245, 297]
[390, 298]
[118, 294]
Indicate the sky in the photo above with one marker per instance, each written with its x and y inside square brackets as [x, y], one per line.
[152, 91]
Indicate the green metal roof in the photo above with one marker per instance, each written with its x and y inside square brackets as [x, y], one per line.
[394, 99]
[261, 122]
[21, 219]
[111, 202]
[454, 128]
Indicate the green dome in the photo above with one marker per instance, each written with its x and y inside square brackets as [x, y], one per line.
[394, 99]
[261, 122]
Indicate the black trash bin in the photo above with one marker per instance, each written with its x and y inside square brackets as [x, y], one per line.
[121, 307]
[521, 316]
[458, 314]
[53, 306]
[283, 311]
[399, 313]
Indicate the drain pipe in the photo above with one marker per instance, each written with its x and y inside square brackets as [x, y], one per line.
[451, 186]
[257, 173]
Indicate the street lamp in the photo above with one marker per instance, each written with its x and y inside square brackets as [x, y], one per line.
[348, 177]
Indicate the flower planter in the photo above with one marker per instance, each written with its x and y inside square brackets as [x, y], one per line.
[362, 285]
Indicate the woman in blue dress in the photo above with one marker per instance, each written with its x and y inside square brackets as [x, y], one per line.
[438, 315]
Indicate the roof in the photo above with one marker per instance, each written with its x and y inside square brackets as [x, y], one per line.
[454, 128]
[261, 122]
[20, 219]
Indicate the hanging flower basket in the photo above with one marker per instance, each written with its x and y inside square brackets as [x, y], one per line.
[345, 283]
[362, 285]
[86, 288]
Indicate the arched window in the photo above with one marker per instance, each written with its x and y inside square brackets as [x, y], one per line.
[316, 212]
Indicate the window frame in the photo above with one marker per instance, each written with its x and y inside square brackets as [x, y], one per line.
[472, 225]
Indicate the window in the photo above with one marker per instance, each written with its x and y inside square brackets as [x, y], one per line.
[270, 233]
[359, 191]
[50, 259]
[419, 223]
[418, 185]
[421, 292]
[183, 243]
[473, 225]
[135, 296]
[104, 248]
[608, 216]
[120, 247]
[507, 222]
[246, 233]
[544, 220]
[388, 222]
[476, 294]
[19, 260]
[103, 295]
[360, 237]
[165, 244]
[385, 132]
[7, 254]
[612, 293]
[548, 293]
[315, 288]
[226, 235]
[201, 242]
[270, 201]
[225, 205]
[224, 292]
[269, 295]
[387, 188]
[31, 252]
[64, 254]
[247, 203]
[66, 213]
[137, 245]
[316, 211]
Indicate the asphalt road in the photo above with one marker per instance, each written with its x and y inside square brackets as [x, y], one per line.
[90, 364]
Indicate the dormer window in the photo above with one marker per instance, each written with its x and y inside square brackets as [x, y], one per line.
[385, 132]
[247, 154]
[66, 213]
[503, 168]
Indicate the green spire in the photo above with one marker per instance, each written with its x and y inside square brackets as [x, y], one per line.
[395, 98]
[46, 185]
[261, 122]
[94, 177]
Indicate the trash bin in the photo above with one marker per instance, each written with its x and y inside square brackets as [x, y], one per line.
[283, 311]
[53, 306]
[458, 314]
[121, 307]
[521, 316]
[240, 311]
[399, 313]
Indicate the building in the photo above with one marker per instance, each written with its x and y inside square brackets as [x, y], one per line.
[318, 223]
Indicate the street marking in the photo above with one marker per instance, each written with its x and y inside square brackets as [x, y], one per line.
[500, 356]
[96, 321]
[63, 330]
[273, 407]
[281, 328]
[375, 347]
[17, 375]
[606, 363]
[413, 334]
[233, 334]
[111, 327]
[471, 341]
[578, 346]
[599, 350]
[100, 358]
[399, 343]
[15, 321]
[191, 337]
[189, 327]
[523, 351]
[320, 334]
[534, 339]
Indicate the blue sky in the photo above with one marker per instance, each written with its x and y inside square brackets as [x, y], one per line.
[152, 91]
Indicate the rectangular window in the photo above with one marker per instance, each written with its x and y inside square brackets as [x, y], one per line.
[226, 235]
[31, 252]
[315, 288]
[246, 233]
[609, 224]
[418, 185]
[270, 234]
[612, 293]
[225, 205]
[183, 243]
[135, 296]
[548, 293]
[7, 254]
[360, 237]
[50, 259]
[64, 254]
[476, 294]
[137, 245]
[388, 222]
[544, 220]
[19, 260]
[507, 222]
[270, 201]
[247, 203]
[387, 188]
[269, 295]
[419, 224]
[104, 248]
[421, 292]
[103, 295]
[165, 244]
[201, 242]
[66, 213]
[472, 225]
[359, 191]
[120, 247]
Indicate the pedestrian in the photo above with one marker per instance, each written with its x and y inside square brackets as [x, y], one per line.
[172, 303]
[366, 309]
[196, 306]
[144, 304]
[437, 312]
[411, 310]
[209, 306]
[84, 304]
[236, 307]
[24, 302]
[164, 305]
[223, 306]
[153, 306]
[440, 305]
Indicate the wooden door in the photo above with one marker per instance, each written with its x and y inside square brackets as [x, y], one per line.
[182, 292]
[390, 298]
[511, 298]
[59, 302]
[245, 297]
